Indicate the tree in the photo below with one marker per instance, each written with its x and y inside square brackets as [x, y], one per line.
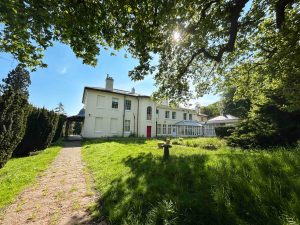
[77, 128]
[211, 110]
[235, 106]
[60, 109]
[13, 111]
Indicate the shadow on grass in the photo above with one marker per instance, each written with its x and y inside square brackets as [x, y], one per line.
[191, 190]
[120, 140]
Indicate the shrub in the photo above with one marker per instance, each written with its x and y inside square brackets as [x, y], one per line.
[264, 132]
[41, 127]
[224, 131]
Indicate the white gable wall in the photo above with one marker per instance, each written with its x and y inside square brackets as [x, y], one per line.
[101, 120]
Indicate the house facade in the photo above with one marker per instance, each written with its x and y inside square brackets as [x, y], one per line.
[114, 112]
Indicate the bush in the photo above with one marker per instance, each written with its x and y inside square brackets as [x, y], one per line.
[41, 127]
[270, 127]
[224, 131]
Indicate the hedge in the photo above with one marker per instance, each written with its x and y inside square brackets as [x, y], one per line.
[224, 131]
[41, 128]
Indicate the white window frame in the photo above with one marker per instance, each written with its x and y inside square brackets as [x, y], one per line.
[116, 101]
[158, 128]
[167, 113]
[169, 129]
[149, 115]
[173, 115]
[127, 126]
[164, 129]
[128, 101]
[184, 116]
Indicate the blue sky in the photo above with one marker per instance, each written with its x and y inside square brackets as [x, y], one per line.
[65, 77]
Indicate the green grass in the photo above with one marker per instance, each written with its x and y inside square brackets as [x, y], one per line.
[19, 173]
[196, 186]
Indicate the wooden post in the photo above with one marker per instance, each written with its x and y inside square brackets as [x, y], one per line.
[166, 147]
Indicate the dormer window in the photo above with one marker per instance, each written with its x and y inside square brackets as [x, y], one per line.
[149, 113]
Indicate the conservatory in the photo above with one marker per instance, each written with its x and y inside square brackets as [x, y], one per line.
[188, 128]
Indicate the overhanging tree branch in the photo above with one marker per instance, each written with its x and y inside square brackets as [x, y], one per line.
[279, 8]
[234, 14]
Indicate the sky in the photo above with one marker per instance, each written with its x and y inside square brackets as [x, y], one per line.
[66, 76]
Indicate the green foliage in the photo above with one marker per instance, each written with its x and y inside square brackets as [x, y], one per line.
[202, 143]
[13, 111]
[77, 128]
[59, 129]
[41, 128]
[195, 186]
[225, 131]
[211, 110]
[269, 126]
[18, 173]
[236, 107]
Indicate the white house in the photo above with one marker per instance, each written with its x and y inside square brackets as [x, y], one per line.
[114, 112]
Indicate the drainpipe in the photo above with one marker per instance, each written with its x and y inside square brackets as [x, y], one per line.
[123, 117]
[137, 118]
[133, 123]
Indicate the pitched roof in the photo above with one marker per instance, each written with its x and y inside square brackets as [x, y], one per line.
[115, 91]
[201, 114]
[188, 123]
[223, 119]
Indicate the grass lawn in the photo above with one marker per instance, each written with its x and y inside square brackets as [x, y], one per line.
[196, 186]
[18, 173]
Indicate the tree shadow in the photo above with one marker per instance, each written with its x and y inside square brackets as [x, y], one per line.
[194, 190]
[120, 140]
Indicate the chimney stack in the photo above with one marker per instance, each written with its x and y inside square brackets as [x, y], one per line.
[133, 90]
[109, 85]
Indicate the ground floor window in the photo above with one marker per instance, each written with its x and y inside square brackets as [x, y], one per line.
[164, 128]
[158, 128]
[127, 126]
[169, 129]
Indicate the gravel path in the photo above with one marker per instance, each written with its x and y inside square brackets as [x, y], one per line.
[61, 195]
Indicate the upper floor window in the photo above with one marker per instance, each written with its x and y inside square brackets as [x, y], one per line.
[157, 111]
[173, 115]
[149, 113]
[127, 104]
[167, 114]
[184, 116]
[190, 117]
[100, 101]
[115, 103]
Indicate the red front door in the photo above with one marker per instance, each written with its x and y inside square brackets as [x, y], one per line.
[148, 131]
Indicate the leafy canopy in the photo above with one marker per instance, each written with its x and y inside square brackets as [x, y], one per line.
[196, 41]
